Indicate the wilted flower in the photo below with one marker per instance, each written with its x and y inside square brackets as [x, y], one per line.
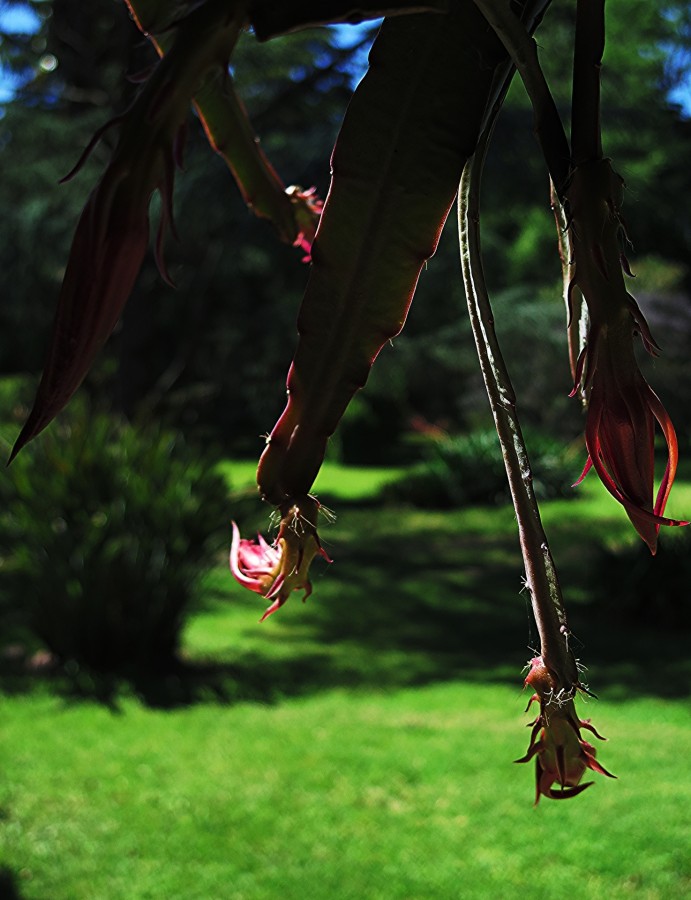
[561, 755]
[276, 570]
[622, 407]
[620, 428]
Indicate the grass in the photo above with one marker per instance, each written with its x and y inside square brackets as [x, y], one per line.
[337, 482]
[360, 746]
[408, 793]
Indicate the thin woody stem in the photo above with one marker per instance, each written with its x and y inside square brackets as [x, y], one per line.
[522, 49]
[541, 575]
[586, 140]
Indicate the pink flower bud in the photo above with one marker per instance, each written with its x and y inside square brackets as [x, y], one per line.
[276, 570]
[561, 755]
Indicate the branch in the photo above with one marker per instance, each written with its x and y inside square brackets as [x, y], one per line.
[541, 575]
[522, 49]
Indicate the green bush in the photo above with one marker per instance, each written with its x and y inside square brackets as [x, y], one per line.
[104, 531]
[469, 469]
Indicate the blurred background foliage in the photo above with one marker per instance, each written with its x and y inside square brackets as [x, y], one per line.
[209, 358]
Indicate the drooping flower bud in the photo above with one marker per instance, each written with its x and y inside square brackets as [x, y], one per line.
[276, 570]
[561, 755]
[620, 432]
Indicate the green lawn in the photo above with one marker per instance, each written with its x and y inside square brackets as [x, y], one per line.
[361, 745]
[346, 483]
[408, 793]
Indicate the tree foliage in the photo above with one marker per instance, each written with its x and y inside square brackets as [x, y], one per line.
[180, 353]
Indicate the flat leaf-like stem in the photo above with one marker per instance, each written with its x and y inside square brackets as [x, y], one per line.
[586, 139]
[112, 235]
[271, 18]
[412, 123]
[230, 133]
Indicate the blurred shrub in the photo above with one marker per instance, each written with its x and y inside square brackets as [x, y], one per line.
[370, 432]
[632, 587]
[470, 469]
[104, 531]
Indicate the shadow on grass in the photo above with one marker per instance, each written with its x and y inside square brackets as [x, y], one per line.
[413, 598]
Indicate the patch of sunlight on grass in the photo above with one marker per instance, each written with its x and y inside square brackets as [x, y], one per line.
[334, 480]
[418, 595]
